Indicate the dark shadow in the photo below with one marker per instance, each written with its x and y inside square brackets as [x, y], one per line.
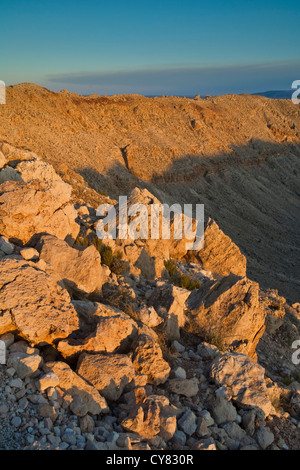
[253, 194]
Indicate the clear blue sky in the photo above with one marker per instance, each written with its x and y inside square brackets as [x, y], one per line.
[151, 47]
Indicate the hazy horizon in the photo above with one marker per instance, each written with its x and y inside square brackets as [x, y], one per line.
[170, 47]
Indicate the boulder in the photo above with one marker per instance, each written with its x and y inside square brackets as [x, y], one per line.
[33, 304]
[151, 417]
[110, 330]
[223, 410]
[244, 379]
[80, 269]
[37, 207]
[229, 311]
[148, 360]
[109, 374]
[149, 316]
[185, 387]
[219, 253]
[24, 364]
[170, 303]
[75, 386]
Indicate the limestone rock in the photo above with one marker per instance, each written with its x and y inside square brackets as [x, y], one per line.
[112, 330]
[223, 410]
[264, 437]
[148, 359]
[46, 381]
[24, 364]
[170, 303]
[151, 417]
[186, 387]
[37, 207]
[74, 385]
[109, 374]
[188, 423]
[230, 311]
[80, 270]
[34, 304]
[149, 316]
[219, 253]
[29, 254]
[244, 379]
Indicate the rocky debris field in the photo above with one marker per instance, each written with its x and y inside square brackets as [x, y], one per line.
[126, 344]
[236, 154]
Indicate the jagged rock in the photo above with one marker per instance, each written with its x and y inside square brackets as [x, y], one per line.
[188, 423]
[170, 303]
[148, 359]
[29, 254]
[219, 254]
[206, 416]
[24, 364]
[46, 381]
[112, 330]
[6, 247]
[207, 351]
[152, 416]
[244, 379]
[180, 373]
[223, 410]
[36, 207]
[205, 444]
[78, 407]
[229, 311]
[8, 339]
[109, 374]
[264, 437]
[149, 316]
[33, 304]
[186, 387]
[80, 270]
[72, 384]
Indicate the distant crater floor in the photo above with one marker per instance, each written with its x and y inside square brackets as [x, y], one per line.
[237, 154]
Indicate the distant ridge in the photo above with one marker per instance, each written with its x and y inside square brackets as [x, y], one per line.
[276, 94]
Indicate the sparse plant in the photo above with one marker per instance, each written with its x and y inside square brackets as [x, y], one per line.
[216, 339]
[188, 283]
[287, 380]
[118, 266]
[82, 241]
[97, 242]
[107, 255]
[170, 267]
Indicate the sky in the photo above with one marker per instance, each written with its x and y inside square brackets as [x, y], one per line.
[181, 48]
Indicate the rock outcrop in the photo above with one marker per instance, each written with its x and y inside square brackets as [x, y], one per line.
[33, 304]
[219, 254]
[36, 207]
[112, 331]
[80, 269]
[109, 374]
[244, 379]
[229, 311]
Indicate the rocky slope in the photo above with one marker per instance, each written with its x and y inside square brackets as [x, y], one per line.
[121, 345]
[239, 155]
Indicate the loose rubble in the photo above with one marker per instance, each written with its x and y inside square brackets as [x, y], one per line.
[116, 356]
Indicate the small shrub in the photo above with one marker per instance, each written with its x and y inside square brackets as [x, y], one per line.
[118, 266]
[187, 283]
[122, 299]
[216, 339]
[81, 241]
[170, 267]
[107, 256]
[119, 254]
[287, 380]
[97, 242]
